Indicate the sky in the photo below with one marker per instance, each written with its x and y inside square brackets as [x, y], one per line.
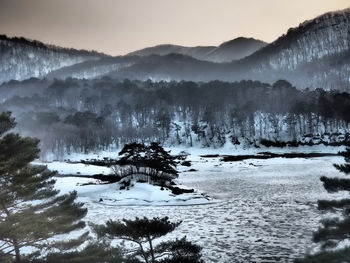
[117, 27]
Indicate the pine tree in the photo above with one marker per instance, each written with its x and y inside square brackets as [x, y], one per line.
[101, 252]
[155, 161]
[334, 230]
[31, 211]
[143, 232]
[160, 159]
[133, 154]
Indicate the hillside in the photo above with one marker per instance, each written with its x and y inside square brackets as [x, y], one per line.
[315, 54]
[235, 49]
[226, 52]
[22, 58]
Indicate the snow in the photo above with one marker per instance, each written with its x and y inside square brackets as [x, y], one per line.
[227, 149]
[258, 211]
[75, 168]
[140, 194]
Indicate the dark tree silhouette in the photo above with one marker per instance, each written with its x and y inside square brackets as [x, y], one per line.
[31, 211]
[100, 252]
[133, 154]
[151, 160]
[144, 232]
[334, 230]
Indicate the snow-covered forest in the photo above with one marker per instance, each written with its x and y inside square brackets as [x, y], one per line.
[90, 115]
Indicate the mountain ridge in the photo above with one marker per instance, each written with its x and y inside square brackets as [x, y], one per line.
[225, 52]
[24, 58]
[34, 42]
[313, 54]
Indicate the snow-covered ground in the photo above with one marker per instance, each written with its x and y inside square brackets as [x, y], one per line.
[227, 149]
[77, 169]
[263, 210]
[138, 194]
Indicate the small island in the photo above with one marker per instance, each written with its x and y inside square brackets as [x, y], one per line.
[142, 175]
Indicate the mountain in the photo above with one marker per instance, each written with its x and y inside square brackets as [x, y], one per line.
[235, 49]
[22, 58]
[166, 49]
[315, 54]
[171, 67]
[93, 68]
[231, 50]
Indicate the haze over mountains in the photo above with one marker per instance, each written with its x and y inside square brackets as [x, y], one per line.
[226, 52]
[315, 54]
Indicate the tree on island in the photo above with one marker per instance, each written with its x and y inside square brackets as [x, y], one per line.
[31, 211]
[334, 230]
[150, 160]
[144, 232]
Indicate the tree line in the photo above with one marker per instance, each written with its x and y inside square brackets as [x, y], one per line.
[87, 115]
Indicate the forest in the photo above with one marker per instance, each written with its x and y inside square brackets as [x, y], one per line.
[88, 115]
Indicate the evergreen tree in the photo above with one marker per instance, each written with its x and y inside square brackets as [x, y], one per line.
[334, 229]
[93, 253]
[133, 154]
[345, 168]
[31, 211]
[160, 159]
[155, 161]
[143, 232]
[337, 256]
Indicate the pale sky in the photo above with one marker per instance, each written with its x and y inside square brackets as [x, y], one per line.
[117, 27]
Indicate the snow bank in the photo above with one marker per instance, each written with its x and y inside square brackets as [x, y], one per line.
[92, 190]
[139, 194]
[75, 168]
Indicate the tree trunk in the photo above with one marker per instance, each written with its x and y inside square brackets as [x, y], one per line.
[151, 249]
[16, 247]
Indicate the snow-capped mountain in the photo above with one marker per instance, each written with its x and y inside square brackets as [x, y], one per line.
[22, 58]
[226, 52]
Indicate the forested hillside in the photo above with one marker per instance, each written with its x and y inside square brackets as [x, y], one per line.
[22, 58]
[89, 115]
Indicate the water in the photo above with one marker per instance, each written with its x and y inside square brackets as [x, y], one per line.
[266, 209]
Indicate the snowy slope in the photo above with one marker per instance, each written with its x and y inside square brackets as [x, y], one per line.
[22, 58]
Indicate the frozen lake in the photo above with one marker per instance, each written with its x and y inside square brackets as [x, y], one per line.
[266, 209]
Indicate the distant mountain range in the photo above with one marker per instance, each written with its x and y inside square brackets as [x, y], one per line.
[315, 54]
[235, 49]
